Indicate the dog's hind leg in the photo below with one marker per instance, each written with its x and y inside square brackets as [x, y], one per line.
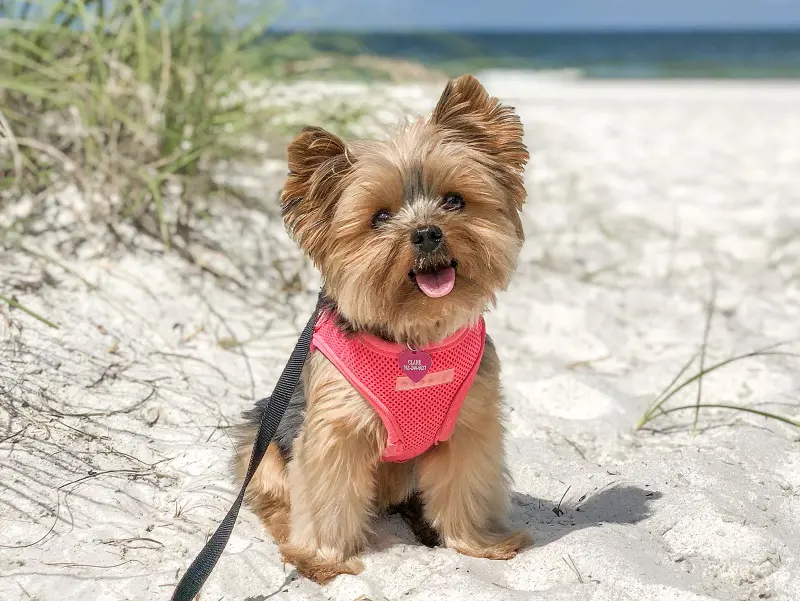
[268, 493]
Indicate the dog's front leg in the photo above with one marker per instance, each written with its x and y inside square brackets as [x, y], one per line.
[332, 477]
[464, 480]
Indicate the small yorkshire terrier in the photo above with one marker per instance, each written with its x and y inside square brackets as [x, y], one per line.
[398, 409]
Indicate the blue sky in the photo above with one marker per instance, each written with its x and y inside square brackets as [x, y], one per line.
[539, 14]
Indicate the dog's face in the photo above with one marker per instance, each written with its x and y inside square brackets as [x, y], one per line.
[415, 235]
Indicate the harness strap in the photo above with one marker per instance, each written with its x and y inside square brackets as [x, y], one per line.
[200, 569]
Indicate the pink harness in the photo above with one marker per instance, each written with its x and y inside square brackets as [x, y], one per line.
[417, 415]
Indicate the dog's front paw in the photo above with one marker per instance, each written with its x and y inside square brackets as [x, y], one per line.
[503, 545]
[319, 569]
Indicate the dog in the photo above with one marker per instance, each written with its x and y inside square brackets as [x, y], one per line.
[413, 237]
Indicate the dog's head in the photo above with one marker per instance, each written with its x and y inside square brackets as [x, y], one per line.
[414, 235]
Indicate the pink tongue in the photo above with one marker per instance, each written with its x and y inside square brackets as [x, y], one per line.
[437, 284]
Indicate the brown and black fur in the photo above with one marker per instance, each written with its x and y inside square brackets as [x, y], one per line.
[325, 460]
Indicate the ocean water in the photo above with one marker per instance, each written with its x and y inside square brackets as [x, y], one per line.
[629, 54]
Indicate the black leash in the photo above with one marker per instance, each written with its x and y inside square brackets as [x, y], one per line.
[194, 578]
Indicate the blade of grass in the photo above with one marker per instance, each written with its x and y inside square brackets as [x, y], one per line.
[763, 352]
[706, 332]
[96, 43]
[18, 42]
[166, 61]
[155, 190]
[8, 134]
[766, 414]
[656, 404]
[21, 60]
[15, 304]
[142, 63]
[55, 153]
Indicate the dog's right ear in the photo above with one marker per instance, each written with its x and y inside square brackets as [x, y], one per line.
[318, 167]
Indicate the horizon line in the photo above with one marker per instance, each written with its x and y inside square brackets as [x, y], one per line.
[650, 29]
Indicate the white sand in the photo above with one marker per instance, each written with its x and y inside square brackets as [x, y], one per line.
[113, 460]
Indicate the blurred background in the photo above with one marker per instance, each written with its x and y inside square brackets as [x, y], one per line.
[589, 38]
[153, 99]
[160, 82]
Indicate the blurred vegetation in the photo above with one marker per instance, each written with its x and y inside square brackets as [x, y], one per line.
[132, 96]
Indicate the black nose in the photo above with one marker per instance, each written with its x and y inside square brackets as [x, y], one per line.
[427, 239]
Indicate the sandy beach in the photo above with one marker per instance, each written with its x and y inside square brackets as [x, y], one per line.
[649, 203]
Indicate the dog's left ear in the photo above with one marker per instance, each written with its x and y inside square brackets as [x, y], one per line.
[466, 111]
[319, 164]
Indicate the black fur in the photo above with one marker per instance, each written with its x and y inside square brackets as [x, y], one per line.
[413, 186]
[290, 425]
[326, 303]
[412, 511]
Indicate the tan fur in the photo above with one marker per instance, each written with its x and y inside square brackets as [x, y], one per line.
[396, 482]
[319, 506]
[268, 494]
[332, 474]
[467, 113]
[464, 481]
[472, 145]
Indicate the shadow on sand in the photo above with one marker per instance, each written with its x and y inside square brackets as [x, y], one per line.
[550, 520]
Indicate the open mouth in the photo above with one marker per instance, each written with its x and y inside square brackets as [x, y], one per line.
[435, 282]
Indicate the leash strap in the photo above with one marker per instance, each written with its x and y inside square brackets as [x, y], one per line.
[194, 578]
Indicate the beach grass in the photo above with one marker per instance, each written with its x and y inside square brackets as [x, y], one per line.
[13, 303]
[660, 406]
[135, 102]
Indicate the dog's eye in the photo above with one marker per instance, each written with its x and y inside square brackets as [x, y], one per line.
[453, 202]
[380, 217]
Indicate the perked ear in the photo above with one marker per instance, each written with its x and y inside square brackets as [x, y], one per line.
[318, 166]
[466, 111]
